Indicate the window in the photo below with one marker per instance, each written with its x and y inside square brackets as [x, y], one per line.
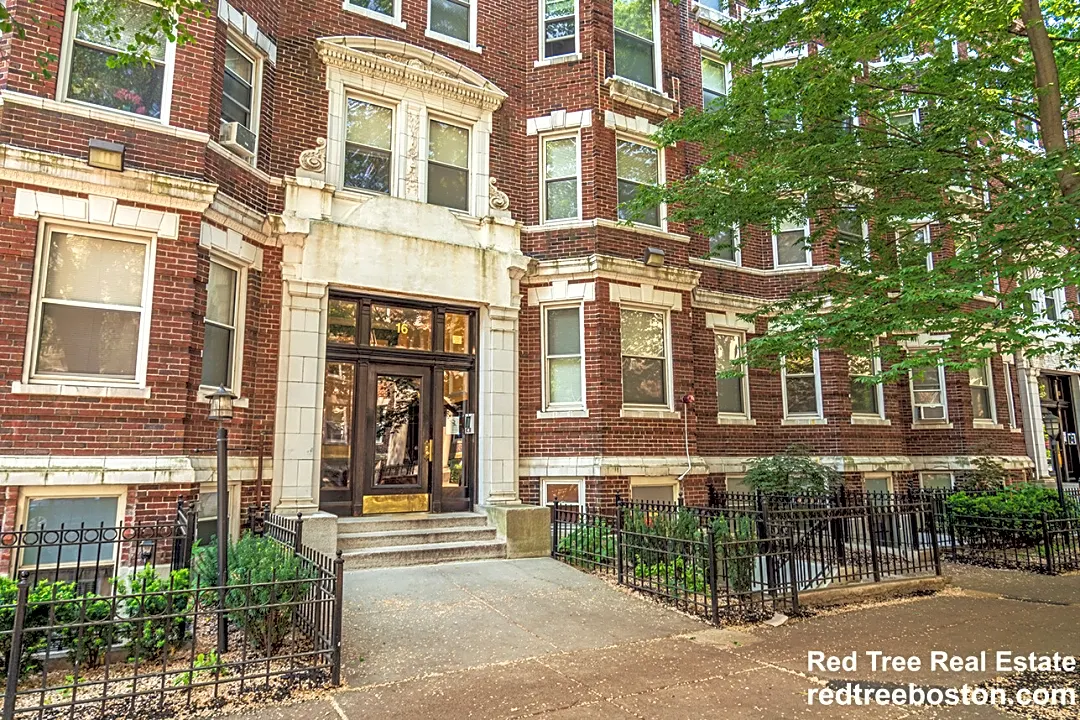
[223, 305]
[724, 246]
[1051, 304]
[368, 142]
[982, 392]
[636, 165]
[936, 480]
[714, 81]
[93, 308]
[95, 560]
[802, 388]
[138, 89]
[451, 18]
[866, 398]
[239, 95]
[206, 531]
[664, 490]
[1009, 394]
[379, 7]
[853, 238]
[731, 392]
[928, 394]
[635, 45]
[644, 357]
[737, 484]
[791, 244]
[566, 492]
[922, 235]
[564, 367]
[559, 26]
[448, 166]
[561, 189]
[904, 124]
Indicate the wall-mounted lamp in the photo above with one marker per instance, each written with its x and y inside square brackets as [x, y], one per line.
[654, 257]
[106, 155]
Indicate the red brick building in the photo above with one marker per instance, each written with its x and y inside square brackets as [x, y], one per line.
[391, 228]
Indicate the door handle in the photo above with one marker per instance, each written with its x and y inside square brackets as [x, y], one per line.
[427, 449]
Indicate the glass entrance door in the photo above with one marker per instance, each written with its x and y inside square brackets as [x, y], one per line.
[399, 440]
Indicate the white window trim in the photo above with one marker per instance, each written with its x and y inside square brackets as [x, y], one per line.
[809, 254]
[865, 240]
[668, 407]
[916, 419]
[470, 155]
[545, 138]
[469, 44]
[819, 414]
[240, 318]
[394, 109]
[394, 19]
[736, 240]
[714, 58]
[64, 72]
[744, 381]
[1009, 395]
[548, 406]
[45, 230]
[658, 65]
[879, 390]
[928, 239]
[73, 492]
[580, 482]
[661, 176]
[258, 61]
[988, 368]
[541, 57]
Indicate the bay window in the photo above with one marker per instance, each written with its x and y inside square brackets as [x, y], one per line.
[564, 358]
[238, 97]
[644, 357]
[448, 165]
[561, 184]
[636, 165]
[635, 41]
[368, 142]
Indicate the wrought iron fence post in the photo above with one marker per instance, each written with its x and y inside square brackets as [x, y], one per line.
[935, 547]
[335, 633]
[299, 537]
[619, 541]
[714, 591]
[15, 654]
[554, 528]
[1044, 523]
[871, 530]
[794, 574]
[192, 525]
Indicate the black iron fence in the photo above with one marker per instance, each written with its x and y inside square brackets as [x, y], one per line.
[122, 622]
[1040, 544]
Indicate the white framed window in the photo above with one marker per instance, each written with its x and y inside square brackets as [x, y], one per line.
[905, 123]
[878, 483]
[852, 237]
[563, 334]
[732, 393]
[453, 21]
[646, 371]
[648, 489]
[385, 10]
[448, 165]
[928, 398]
[638, 165]
[922, 235]
[567, 491]
[980, 380]
[1009, 393]
[715, 80]
[866, 399]
[791, 244]
[242, 89]
[937, 481]
[100, 31]
[91, 316]
[223, 326]
[1051, 304]
[369, 146]
[725, 246]
[561, 184]
[801, 384]
[737, 484]
[558, 28]
[637, 32]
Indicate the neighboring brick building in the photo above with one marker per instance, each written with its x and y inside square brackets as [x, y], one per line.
[308, 213]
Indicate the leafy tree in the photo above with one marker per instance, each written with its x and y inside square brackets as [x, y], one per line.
[899, 113]
[792, 472]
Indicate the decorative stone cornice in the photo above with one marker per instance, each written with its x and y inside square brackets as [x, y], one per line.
[411, 66]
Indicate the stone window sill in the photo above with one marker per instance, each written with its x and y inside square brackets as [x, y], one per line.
[650, 413]
[349, 7]
[870, 420]
[568, 413]
[429, 33]
[734, 420]
[931, 426]
[557, 60]
[987, 425]
[76, 390]
[639, 96]
[804, 421]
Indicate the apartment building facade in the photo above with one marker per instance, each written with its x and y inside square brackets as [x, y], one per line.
[392, 229]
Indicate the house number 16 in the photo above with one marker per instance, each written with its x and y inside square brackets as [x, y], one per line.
[403, 328]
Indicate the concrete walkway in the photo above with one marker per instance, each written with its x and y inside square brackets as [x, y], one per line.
[510, 639]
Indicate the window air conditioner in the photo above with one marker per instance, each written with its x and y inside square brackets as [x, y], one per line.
[238, 138]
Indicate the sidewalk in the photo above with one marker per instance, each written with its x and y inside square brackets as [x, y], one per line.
[1054, 589]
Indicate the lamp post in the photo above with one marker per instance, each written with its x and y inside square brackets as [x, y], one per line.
[221, 411]
[1053, 436]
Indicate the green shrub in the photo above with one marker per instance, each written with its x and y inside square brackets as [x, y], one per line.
[736, 554]
[676, 578]
[157, 610]
[50, 608]
[654, 538]
[588, 544]
[792, 472]
[92, 629]
[1015, 502]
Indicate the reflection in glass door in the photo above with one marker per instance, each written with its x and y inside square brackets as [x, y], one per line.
[456, 464]
[339, 396]
[397, 430]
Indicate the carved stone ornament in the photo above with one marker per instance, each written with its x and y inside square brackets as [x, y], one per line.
[314, 159]
[497, 199]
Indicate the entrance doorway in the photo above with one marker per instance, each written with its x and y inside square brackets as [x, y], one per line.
[1056, 398]
[399, 418]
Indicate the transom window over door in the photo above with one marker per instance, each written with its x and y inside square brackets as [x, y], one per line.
[104, 28]
[93, 305]
[559, 28]
[561, 179]
[448, 165]
[636, 165]
[635, 44]
[368, 142]
[644, 357]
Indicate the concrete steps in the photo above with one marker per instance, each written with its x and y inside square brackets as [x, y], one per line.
[417, 539]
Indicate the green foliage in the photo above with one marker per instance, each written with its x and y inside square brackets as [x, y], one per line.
[987, 474]
[588, 544]
[157, 609]
[880, 61]
[790, 473]
[205, 665]
[678, 577]
[1015, 502]
[90, 631]
[736, 551]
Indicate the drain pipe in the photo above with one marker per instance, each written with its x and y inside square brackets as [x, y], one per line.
[687, 401]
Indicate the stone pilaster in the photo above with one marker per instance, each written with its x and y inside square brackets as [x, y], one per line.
[498, 402]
